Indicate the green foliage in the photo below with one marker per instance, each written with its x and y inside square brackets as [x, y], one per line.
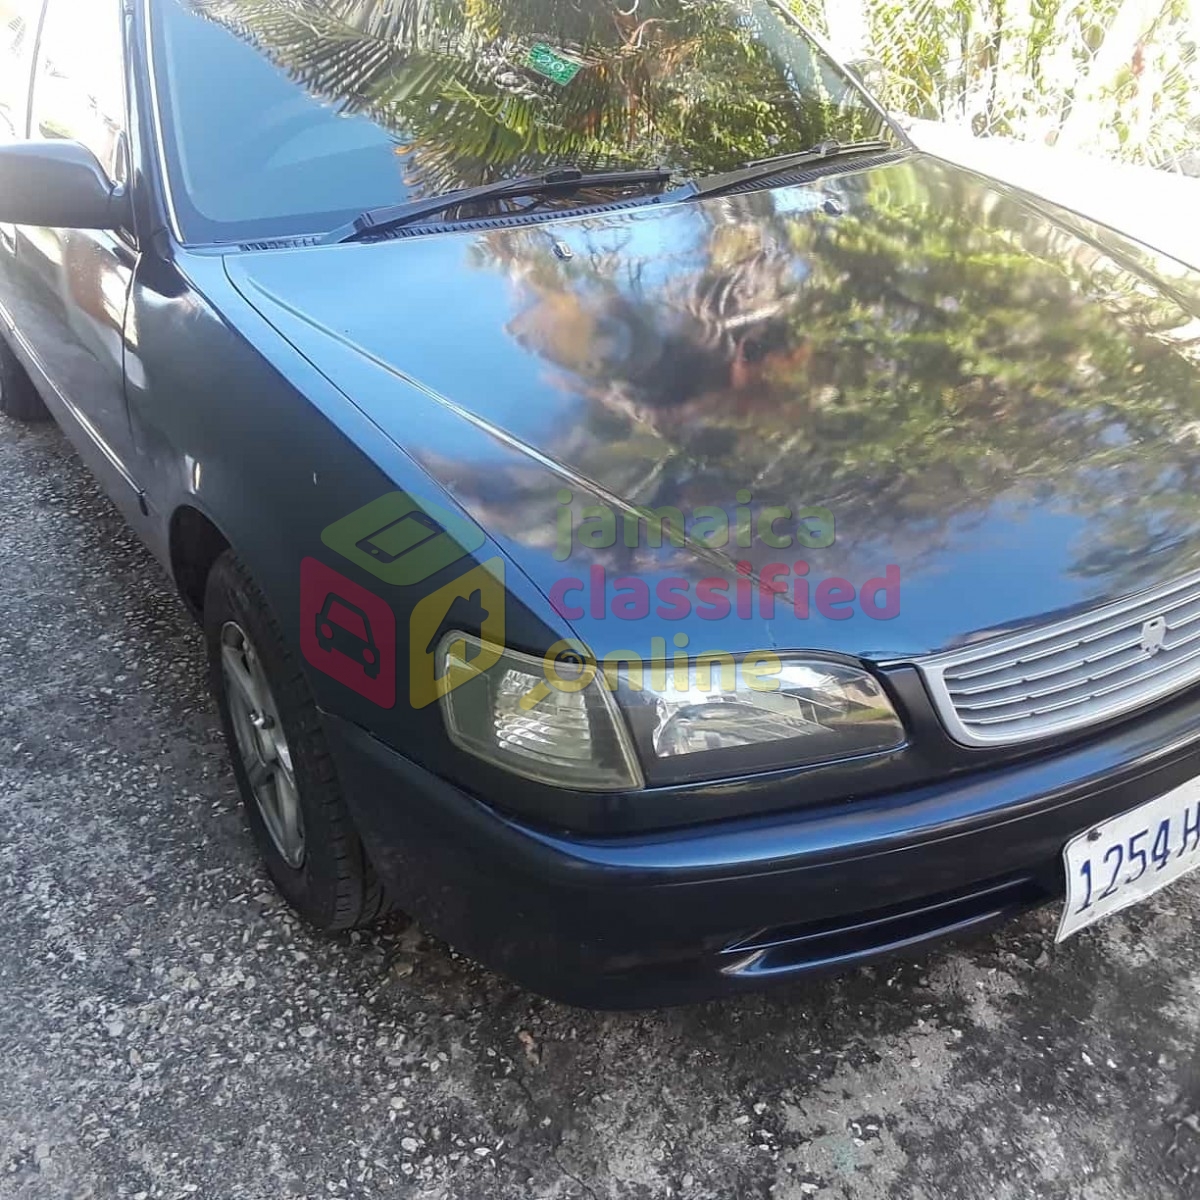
[696, 85]
[1117, 76]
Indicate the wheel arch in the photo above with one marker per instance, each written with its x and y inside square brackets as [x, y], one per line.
[195, 543]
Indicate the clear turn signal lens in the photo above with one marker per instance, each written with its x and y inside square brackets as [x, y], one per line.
[570, 736]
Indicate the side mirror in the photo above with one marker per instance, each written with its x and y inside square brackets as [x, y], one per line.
[59, 184]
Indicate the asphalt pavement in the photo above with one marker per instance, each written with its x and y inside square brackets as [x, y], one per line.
[168, 1030]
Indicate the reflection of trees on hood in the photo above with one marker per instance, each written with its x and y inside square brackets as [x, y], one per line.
[686, 83]
[937, 350]
[908, 364]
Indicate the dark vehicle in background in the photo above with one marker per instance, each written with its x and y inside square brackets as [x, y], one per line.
[537, 334]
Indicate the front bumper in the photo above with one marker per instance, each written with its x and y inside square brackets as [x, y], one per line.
[686, 914]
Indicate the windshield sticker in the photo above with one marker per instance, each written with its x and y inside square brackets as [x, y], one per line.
[547, 61]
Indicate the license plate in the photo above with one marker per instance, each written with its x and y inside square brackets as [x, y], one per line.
[1128, 858]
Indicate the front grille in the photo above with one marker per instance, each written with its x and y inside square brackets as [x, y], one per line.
[1072, 674]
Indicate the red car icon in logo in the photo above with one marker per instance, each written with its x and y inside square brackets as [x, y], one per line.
[344, 627]
[347, 632]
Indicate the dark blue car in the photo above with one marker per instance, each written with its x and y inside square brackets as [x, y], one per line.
[648, 520]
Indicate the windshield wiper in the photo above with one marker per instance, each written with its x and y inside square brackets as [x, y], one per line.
[763, 168]
[569, 179]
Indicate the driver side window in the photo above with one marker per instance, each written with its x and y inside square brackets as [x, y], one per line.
[79, 85]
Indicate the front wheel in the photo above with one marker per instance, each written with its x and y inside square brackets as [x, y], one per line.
[280, 758]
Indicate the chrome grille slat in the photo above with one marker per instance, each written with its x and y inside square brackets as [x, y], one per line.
[1069, 674]
[1117, 622]
[1041, 693]
[1127, 644]
[1074, 683]
[1133, 640]
[1049, 709]
[1041, 710]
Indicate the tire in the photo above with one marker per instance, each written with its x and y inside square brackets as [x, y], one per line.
[332, 885]
[18, 396]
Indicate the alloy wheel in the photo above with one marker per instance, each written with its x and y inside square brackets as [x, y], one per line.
[262, 745]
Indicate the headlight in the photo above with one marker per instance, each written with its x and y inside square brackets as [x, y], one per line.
[718, 722]
[573, 736]
[719, 726]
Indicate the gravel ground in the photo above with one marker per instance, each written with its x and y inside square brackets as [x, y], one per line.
[168, 1030]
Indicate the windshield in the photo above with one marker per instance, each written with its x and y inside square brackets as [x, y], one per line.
[284, 117]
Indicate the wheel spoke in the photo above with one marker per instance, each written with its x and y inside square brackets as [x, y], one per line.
[283, 755]
[240, 678]
[291, 830]
[259, 773]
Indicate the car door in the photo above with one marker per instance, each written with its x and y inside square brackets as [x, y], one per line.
[75, 283]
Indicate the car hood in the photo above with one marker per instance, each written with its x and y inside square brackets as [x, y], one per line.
[1000, 400]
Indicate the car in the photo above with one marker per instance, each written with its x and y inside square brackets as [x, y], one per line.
[649, 521]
